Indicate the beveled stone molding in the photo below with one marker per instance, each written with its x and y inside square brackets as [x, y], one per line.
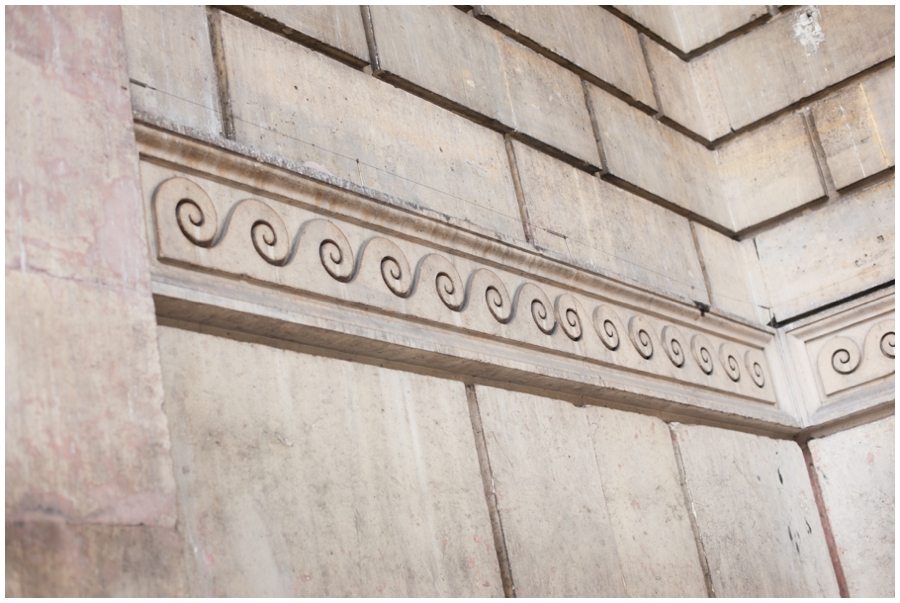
[237, 233]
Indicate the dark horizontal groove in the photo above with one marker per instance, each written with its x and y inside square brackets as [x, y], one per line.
[276, 27]
[778, 324]
[687, 56]
[645, 194]
[798, 104]
[559, 60]
[847, 191]
[482, 120]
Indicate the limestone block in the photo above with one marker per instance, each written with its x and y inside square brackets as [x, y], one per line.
[49, 558]
[86, 437]
[586, 509]
[646, 504]
[688, 92]
[306, 476]
[581, 216]
[340, 27]
[735, 280]
[85, 433]
[182, 90]
[72, 194]
[689, 27]
[756, 514]
[829, 253]
[856, 475]
[856, 127]
[798, 54]
[299, 104]
[448, 53]
[769, 172]
[641, 151]
[587, 36]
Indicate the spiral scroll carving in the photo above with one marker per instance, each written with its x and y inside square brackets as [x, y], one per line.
[447, 283]
[568, 316]
[845, 357]
[194, 210]
[335, 252]
[605, 321]
[673, 343]
[395, 270]
[728, 356]
[701, 350]
[887, 344]
[753, 360]
[534, 298]
[265, 228]
[495, 294]
[639, 330]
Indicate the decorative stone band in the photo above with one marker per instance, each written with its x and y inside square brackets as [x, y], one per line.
[252, 241]
[841, 364]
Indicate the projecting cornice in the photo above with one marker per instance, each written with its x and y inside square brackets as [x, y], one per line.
[285, 252]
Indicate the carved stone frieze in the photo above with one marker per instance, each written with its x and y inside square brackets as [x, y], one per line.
[252, 239]
[844, 358]
[842, 364]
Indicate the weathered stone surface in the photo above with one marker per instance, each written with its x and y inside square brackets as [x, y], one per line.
[797, 54]
[448, 53]
[182, 90]
[735, 280]
[687, 91]
[85, 434]
[550, 497]
[830, 252]
[306, 476]
[49, 558]
[856, 476]
[654, 157]
[856, 127]
[756, 514]
[340, 27]
[588, 36]
[769, 172]
[646, 504]
[690, 27]
[576, 518]
[581, 216]
[294, 102]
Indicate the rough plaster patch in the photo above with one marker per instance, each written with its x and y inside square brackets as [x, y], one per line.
[807, 29]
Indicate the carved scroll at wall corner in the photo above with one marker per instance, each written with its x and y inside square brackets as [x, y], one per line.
[251, 240]
[842, 364]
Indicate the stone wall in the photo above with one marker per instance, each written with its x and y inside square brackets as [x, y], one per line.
[450, 301]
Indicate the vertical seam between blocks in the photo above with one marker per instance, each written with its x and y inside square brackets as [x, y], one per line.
[826, 523]
[689, 505]
[217, 45]
[374, 60]
[487, 478]
[595, 125]
[819, 155]
[520, 194]
[659, 106]
[692, 225]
